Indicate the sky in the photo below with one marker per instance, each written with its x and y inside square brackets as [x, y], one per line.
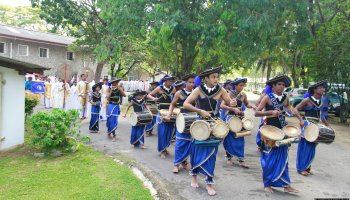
[15, 2]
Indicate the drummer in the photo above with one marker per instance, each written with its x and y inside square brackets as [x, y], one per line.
[274, 161]
[206, 95]
[95, 100]
[163, 94]
[227, 86]
[114, 95]
[137, 132]
[183, 142]
[149, 127]
[311, 105]
[235, 146]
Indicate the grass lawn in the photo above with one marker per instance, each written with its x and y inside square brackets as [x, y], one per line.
[86, 174]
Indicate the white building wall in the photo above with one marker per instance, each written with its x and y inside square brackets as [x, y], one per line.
[11, 108]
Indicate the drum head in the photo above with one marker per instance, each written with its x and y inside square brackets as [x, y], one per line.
[133, 119]
[200, 130]
[311, 132]
[235, 124]
[220, 129]
[291, 130]
[248, 124]
[271, 132]
[180, 123]
[164, 112]
[176, 111]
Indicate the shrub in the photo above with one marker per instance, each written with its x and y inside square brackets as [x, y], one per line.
[31, 100]
[57, 130]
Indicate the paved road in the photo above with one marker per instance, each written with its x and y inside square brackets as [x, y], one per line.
[331, 169]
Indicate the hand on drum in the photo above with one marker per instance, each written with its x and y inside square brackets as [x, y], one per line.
[237, 111]
[233, 102]
[301, 123]
[204, 114]
[124, 116]
[167, 118]
[275, 113]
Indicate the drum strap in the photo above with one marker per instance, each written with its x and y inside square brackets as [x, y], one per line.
[277, 106]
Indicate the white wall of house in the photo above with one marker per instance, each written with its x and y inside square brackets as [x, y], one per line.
[11, 108]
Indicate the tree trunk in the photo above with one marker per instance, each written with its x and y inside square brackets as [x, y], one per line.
[269, 69]
[98, 72]
[294, 65]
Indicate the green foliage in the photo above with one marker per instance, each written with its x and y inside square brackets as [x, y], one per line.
[30, 104]
[22, 16]
[57, 130]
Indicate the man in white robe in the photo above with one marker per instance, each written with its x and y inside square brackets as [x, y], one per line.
[48, 93]
[83, 89]
[73, 97]
[104, 101]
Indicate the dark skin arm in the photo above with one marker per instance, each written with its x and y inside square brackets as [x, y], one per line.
[154, 93]
[127, 109]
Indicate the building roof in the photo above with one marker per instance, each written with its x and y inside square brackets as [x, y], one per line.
[24, 34]
[20, 66]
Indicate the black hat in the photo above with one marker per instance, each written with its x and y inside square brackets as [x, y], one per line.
[209, 71]
[280, 78]
[179, 83]
[188, 76]
[138, 92]
[167, 77]
[154, 83]
[115, 80]
[96, 85]
[228, 81]
[314, 86]
[239, 80]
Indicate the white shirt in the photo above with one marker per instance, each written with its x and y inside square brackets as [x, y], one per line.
[208, 88]
[278, 97]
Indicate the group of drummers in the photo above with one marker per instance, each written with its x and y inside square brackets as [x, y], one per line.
[200, 118]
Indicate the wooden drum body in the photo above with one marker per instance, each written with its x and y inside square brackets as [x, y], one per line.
[163, 113]
[141, 118]
[184, 121]
[319, 133]
[271, 134]
[219, 129]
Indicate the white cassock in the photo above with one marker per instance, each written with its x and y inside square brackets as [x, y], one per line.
[64, 93]
[56, 94]
[73, 99]
[103, 112]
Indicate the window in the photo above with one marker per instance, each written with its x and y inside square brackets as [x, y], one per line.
[23, 50]
[70, 55]
[2, 47]
[43, 52]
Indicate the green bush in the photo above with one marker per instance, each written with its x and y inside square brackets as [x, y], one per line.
[30, 105]
[57, 130]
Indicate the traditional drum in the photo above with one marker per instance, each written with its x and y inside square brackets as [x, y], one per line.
[219, 129]
[163, 113]
[141, 118]
[242, 133]
[319, 133]
[291, 130]
[200, 130]
[184, 121]
[235, 124]
[271, 134]
[247, 124]
[153, 108]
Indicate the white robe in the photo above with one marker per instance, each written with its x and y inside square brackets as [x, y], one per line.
[103, 113]
[56, 94]
[73, 102]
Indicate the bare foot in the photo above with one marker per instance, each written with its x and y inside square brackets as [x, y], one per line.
[186, 166]
[194, 182]
[211, 190]
[304, 173]
[229, 162]
[242, 164]
[291, 190]
[167, 152]
[268, 190]
[176, 169]
[163, 155]
[114, 139]
[143, 147]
